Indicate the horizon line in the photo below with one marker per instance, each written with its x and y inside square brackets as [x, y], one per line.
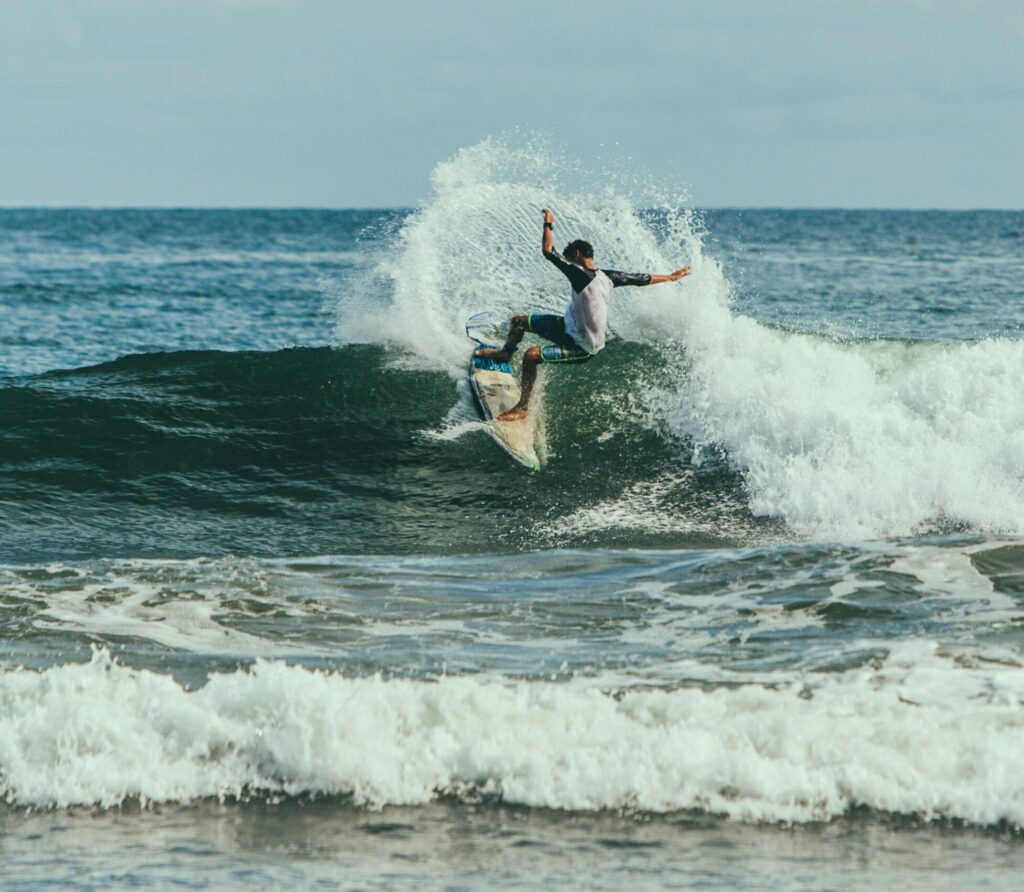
[411, 208]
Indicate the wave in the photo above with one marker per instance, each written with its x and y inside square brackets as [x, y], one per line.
[329, 450]
[347, 449]
[837, 439]
[919, 734]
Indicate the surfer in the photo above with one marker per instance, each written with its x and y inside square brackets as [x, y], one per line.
[580, 333]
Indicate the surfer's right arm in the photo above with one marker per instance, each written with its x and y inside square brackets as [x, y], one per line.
[547, 244]
[578, 277]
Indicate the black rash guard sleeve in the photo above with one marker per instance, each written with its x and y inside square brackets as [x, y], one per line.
[619, 279]
[579, 277]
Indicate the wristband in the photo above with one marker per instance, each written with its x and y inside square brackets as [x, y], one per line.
[549, 225]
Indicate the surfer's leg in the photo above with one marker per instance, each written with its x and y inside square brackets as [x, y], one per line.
[531, 359]
[516, 329]
[571, 353]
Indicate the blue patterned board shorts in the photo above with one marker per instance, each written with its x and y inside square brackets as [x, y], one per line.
[562, 347]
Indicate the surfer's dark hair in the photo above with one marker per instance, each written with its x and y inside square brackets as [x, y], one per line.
[585, 248]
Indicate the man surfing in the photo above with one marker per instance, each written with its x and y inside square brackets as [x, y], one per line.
[580, 333]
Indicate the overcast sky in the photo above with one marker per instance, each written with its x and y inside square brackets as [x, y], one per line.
[856, 103]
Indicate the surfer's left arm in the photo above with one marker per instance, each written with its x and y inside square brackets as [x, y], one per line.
[671, 277]
[640, 279]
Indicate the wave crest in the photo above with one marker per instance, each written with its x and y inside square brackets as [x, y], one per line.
[918, 734]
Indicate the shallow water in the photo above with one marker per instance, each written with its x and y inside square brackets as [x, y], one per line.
[455, 845]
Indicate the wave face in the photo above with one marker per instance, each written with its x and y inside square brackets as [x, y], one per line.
[346, 449]
[330, 451]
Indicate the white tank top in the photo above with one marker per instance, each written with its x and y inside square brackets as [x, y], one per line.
[586, 317]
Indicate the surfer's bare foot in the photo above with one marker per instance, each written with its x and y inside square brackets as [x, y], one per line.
[492, 353]
[516, 413]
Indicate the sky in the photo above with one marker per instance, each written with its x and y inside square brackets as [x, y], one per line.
[333, 103]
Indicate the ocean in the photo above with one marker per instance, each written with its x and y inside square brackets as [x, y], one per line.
[276, 611]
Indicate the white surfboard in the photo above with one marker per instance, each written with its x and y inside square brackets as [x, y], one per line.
[497, 391]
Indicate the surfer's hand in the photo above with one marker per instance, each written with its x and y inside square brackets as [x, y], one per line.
[548, 216]
[679, 273]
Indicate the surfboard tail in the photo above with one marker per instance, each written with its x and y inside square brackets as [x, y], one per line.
[497, 391]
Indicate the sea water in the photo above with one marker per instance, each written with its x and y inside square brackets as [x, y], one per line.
[275, 610]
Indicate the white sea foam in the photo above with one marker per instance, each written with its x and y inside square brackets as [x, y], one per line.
[658, 506]
[845, 440]
[922, 734]
[176, 604]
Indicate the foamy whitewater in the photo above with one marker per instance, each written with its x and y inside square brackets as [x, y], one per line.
[276, 610]
[841, 439]
[915, 735]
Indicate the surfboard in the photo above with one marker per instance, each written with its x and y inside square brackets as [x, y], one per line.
[497, 390]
